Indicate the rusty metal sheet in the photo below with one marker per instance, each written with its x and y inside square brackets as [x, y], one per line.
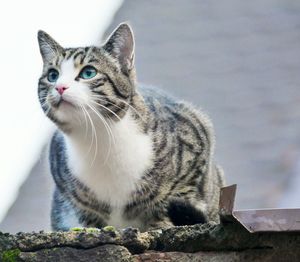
[227, 197]
[258, 220]
[269, 220]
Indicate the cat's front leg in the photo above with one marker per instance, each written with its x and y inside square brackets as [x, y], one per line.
[63, 215]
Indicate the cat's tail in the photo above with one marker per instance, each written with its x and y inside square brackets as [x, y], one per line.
[181, 213]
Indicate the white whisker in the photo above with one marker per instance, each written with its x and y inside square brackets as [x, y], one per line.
[100, 99]
[108, 130]
[86, 123]
[107, 110]
[93, 133]
[122, 101]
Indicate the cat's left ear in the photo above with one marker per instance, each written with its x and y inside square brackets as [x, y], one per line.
[49, 48]
[120, 44]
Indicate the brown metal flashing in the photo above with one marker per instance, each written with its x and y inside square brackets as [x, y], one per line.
[258, 220]
[227, 198]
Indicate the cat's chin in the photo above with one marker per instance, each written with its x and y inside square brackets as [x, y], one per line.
[65, 103]
[64, 111]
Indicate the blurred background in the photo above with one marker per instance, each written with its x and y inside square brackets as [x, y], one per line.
[238, 61]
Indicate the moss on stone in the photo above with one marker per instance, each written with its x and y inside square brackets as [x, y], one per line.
[92, 230]
[85, 229]
[77, 229]
[10, 255]
[109, 228]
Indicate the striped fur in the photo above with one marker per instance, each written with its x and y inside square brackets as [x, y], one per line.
[123, 155]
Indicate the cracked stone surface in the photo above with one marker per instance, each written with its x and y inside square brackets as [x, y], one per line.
[206, 242]
[108, 252]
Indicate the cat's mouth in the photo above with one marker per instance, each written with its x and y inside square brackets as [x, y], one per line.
[61, 102]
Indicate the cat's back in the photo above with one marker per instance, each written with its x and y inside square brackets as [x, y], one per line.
[184, 120]
[155, 96]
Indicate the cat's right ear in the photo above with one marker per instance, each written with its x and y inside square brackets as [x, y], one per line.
[49, 48]
[120, 45]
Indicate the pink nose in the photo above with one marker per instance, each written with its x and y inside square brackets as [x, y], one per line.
[60, 89]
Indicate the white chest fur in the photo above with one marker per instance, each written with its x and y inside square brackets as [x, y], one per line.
[117, 166]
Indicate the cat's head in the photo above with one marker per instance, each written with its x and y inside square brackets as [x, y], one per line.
[87, 80]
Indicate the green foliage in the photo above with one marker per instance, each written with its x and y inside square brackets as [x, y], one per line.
[10, 255]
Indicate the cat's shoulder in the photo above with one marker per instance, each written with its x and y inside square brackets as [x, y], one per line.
[154, 95]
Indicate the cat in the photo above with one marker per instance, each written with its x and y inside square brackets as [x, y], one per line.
[123, 154]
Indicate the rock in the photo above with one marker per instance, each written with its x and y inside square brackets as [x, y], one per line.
[206, 242]
[221, 256]
[105, 253]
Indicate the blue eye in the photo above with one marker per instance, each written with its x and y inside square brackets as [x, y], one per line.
[88, 72]
[52, 75]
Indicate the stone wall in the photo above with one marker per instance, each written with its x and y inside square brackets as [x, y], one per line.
[207, 242]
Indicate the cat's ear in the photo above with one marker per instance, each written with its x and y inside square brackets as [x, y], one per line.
[120, 44]
[49, 48]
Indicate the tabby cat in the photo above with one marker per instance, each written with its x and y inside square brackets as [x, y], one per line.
[123, 155]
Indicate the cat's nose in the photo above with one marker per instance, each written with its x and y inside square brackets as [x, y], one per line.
[61, 88]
